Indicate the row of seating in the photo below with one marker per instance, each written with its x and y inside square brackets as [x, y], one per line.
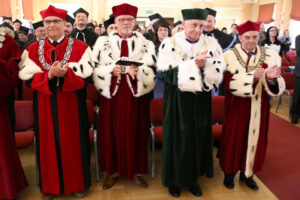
[288, 59]
[25, 119]
[156, 119]
[24, 127]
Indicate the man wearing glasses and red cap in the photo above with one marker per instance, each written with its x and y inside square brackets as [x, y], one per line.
[252, 76]
[58, 69]
[124, 75]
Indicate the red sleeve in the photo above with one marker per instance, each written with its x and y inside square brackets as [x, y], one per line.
[227, 78]
[40, 82]
[72, 82]
[10, 55]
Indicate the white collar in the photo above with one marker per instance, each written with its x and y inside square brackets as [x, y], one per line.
[81, 28]
[199, 39]
[253, 52]
[58, 41]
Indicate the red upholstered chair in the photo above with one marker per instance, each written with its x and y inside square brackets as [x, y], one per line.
[156, 119]
[284, 64]
[24, 127]
[24, 133]
[289, 88]
[92, 94]
[27, 92]
[92, 116]
[291, 57]
[217, 116]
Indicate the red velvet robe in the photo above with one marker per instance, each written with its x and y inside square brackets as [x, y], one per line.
[12, 179]
[61, 121]
[234, 141]
[123, 129]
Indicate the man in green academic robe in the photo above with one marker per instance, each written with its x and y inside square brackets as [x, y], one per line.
[192, 65]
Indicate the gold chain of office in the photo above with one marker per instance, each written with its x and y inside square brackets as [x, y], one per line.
[244, 64]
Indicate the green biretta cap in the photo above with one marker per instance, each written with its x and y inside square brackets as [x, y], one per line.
[194, 13]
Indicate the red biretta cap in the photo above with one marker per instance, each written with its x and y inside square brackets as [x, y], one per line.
[52, 11]
[124, 9]
[248, 26]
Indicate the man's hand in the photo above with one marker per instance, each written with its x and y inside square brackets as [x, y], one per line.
[60, 71]
[132, 71]
[200, 60]
[117, 70]
[273, 72]
[259, 72]
[51, 72]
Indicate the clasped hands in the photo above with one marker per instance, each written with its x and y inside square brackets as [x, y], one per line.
[270, 73]
[57, 71]
[132, 71]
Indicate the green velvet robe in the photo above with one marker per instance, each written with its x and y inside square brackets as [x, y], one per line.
[187, 135]
[187, 125]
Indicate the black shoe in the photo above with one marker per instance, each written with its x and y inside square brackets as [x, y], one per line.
[249, 181]
[294, 119]
[229, 180]
[196, 190]
[174, 191]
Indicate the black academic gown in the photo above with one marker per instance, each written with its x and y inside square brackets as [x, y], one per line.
[149, 35]
[90, 36]
[226, 41]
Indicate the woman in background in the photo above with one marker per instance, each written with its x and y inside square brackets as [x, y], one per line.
[161, 31]
[272, 40]
[286, 41]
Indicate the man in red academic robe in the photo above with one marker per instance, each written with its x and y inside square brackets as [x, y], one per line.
[12, 179]
[123, 115]
[58, 69]
[252, 76]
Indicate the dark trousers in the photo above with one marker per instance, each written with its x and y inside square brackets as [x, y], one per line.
[295, 109]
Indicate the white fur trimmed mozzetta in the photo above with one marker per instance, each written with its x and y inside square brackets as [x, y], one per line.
[27, 67]
[2, 38]
[241, 85]
[106, 52]
[83, 68]
[281, 86]
[178, 52]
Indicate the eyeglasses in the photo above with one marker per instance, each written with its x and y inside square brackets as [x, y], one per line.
[122, 20]
[55, 21]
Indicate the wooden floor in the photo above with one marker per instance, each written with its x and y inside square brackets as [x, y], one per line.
[126, 190]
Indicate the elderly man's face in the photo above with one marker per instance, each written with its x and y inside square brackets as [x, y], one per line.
[54, 27]
[210, 23]
[193, 28]
[249, 40]
[40, 33]
[81, 19]
[68, 28]
[125, 24]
